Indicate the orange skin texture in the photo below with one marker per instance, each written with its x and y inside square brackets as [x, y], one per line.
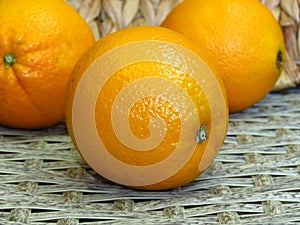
[46, 38]
[242, 36]
[139, 126]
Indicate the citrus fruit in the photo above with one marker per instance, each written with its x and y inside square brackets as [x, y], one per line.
[145, 110]
[40, 42]
[242, 36]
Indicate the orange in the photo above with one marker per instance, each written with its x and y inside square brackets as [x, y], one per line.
[144, 110]
[40, 42]
[244, 39]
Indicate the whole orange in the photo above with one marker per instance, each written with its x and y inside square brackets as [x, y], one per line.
[144, 110]
[40, 42]
[242, 36]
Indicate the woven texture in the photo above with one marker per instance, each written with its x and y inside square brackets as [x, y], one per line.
[255, 178]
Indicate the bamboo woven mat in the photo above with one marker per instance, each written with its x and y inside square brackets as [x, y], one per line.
[254, 180]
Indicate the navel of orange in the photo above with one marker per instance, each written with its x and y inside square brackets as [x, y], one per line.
[145, 110]
[242, 36]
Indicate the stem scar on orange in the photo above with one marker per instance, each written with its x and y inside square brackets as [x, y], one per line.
[40, 42]
[9, 60]
[145, 110]
[242, 36]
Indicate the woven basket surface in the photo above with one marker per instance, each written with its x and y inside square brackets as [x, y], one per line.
[254, 180]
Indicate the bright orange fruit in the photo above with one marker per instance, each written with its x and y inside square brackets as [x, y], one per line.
[144, 110]
[244, 39]
[40, 42]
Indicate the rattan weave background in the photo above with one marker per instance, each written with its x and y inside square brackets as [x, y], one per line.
[255, 179]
